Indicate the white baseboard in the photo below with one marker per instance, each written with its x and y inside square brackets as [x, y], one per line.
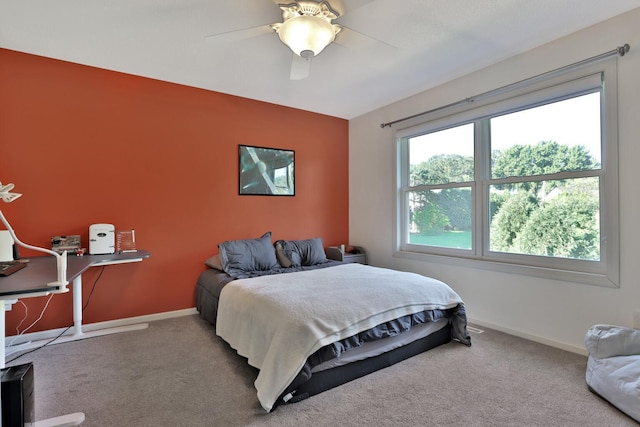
[129, 321]
[552, 343]
[91, 327]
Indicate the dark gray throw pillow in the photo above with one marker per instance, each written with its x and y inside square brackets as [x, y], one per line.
[283, 257]
[239, 256]
[296, 253]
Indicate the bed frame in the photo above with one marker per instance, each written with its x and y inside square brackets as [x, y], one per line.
[330, 378]
[206, 303]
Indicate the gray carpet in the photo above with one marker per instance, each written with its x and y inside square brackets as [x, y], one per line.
[178, 373]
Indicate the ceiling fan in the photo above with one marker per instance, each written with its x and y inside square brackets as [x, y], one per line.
[306, 28]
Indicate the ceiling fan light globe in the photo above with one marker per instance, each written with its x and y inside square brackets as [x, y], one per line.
[305, 32]
[307, 54]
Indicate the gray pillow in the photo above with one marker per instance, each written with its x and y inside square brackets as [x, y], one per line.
[239, 256]
[296, 253]
[284, 258]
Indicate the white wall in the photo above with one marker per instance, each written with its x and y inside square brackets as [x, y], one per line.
[552, 312]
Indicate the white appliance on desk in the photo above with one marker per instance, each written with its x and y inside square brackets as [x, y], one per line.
[102, 239]
[6, 246]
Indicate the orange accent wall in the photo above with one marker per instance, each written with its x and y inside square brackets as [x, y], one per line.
[85, 145]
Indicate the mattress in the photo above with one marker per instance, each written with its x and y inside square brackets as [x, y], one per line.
[370, 349]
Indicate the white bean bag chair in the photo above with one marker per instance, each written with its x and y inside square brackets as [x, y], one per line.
[613, 367]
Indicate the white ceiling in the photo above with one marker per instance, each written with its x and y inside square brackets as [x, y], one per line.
[433, 41]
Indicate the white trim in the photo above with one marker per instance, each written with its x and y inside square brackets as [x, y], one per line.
[43, 335]
[128, 322]
[511, 268]
[74, 419]
[603, 272]
[530, 337]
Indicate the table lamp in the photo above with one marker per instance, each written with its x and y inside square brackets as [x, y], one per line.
[61, 259]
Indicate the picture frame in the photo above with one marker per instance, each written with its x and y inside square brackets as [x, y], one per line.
[266, 171]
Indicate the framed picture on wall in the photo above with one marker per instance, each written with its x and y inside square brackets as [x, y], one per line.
[266, 171]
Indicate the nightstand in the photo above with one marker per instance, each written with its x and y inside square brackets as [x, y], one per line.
[358, 255]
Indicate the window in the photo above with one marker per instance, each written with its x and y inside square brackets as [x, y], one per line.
[525, 182]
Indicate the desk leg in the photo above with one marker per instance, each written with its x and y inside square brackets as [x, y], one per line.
[2, 350]
[2, 335]
[77, 306]
[78, 333]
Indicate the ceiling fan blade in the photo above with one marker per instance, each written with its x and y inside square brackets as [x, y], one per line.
[355, 40]
[300, 67]
[238, 35]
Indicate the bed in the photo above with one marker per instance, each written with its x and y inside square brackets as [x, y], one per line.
[309, 324]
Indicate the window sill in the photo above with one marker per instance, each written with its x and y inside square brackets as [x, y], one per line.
[503, 267]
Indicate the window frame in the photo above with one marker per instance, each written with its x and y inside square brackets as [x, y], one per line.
[533, 92]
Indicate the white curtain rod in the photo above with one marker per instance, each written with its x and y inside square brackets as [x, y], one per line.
[621, 50]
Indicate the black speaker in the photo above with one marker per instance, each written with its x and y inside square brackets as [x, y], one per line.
[18, 407]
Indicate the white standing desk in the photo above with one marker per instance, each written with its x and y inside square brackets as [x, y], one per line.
[96, 261]
[32, 282]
